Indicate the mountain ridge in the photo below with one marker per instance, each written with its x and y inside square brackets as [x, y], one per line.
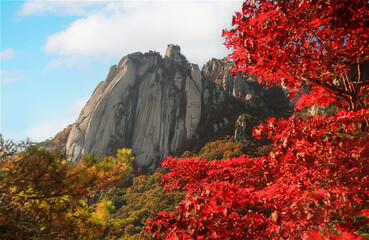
[153, 104]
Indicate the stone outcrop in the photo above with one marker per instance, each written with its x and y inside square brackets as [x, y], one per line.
[153, 105]
[246, 88]
[241, 128]
[244, 126]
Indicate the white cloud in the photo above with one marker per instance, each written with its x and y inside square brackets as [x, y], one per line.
[10, 76]
[42, 132]
[65, 7]
[74, 111]
[82, 62]
[6, 75]
[55, 63]
[7, 54]
[121, 28]
[51, 128]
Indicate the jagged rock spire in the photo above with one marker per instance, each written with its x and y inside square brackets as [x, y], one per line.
[174, 52]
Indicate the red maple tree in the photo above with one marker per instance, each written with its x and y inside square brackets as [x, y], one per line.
[315, 183]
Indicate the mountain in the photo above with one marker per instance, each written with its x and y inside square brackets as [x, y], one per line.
[154, 104]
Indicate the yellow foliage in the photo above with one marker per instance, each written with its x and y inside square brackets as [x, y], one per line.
[44, 196]
[104, 209]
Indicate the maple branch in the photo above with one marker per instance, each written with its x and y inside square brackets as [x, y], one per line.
[363, 83]
[334, 88]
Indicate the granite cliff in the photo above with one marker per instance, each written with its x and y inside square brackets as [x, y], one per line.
[153, 104]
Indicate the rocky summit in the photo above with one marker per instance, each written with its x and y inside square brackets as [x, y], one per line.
[153, 104]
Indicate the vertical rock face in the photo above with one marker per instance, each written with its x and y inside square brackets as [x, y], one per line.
[153, 105]
[146, 103]
[246, 88]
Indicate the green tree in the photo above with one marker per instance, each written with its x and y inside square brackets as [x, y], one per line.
[44, 196]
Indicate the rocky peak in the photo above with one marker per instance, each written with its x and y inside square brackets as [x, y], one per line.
[153, 105]
[174, 52]
[112, 73]
[149, 104]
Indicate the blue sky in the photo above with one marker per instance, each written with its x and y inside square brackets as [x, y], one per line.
[54, 53]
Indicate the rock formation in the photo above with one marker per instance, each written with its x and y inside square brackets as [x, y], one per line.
[153, 105]
[246, 88]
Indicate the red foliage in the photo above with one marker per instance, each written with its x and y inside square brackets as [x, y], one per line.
[316, 178]
[315, 184]
[304, 43]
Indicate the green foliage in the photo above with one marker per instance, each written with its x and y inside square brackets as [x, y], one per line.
[125, 156]
[228, 147]
[124, 210]
[222, 149]
[44, 196]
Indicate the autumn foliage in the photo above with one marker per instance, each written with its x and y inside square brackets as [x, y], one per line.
[44, 196]
[125, 209]
[316, 44]
[315, 183]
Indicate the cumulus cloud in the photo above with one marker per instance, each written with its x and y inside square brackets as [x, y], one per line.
[65, 7]
[120, 28]
[51, 128]
[10, 76]
[7, 54]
